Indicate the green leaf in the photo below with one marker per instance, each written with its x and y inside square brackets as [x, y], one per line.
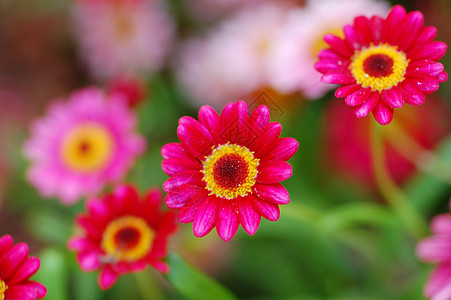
[192, 283]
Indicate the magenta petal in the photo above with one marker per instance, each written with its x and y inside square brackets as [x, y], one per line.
[234, 123]
[347, 90]
[248, 216]
[173, 166]
[274, 193]
[427, 35]
[79, 244]
[392, 97]
[195, 137]
[40, 289]
[6, 242]
[442, 77]
[351, 37]
[204, 221]
[258, 120]
[273, 171]
[284, 149]
[429, 67]
[441, 224]
[438, 286]
[268, 210]
[363, 30]
[26, 270]
[358, 97]
[97, 208]
[186, 193]
[226, 220]
[326, 65]
[160, 266]
[21, 291]
[89, 260]
[377, 24]
[383, 113]
[176, 181]
[338, 45]
[432, 51]
[187, 213]
[329, 54]
[364, 109]
[413, 96]
[174, 150]
[338, 78]
[265, 143]
[107, 277]
[12, 259]
[409, 29]
[435, 249]
[391, 24]
[210, 119]
[426, 84]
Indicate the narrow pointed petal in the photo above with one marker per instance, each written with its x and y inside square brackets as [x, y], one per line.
[410, 29]
[351, 37]
[377, 24]
[248, 216]
[41, 290]
[392, 22]
[26, 270]
[226, 220]
[12, 259]
[204, 221]
[176, 181]
[284, 149]
[89, 261]
[338, 45]
[210, 119]
[429, 67]
[274, 193]
[442, 77]
[338, 78]
[269, 211]
[234, 123]
[432, 51]
[347, 90]
[173, 166]
[383, 113]
[6, 241]
[195, 137]
[441, 224]
[273, 171]
[364, 109]
[264, 144]
[175, 150]
[358, 97]
[427, 35]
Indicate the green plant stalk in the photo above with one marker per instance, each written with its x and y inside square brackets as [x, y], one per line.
[412, 219]
[147, 286]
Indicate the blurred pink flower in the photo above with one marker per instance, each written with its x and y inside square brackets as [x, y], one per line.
[227, 170]
[130, 87]
[82, 144]
[122, 36]
[231, 61]
[384, 63]
[123, 234]
[15, 270]
[299, 41]
[437, 249]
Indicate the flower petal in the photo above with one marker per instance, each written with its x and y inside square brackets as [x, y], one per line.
[432, 51]
[412, 95]
[175, 150]
[392, 97]
[270, 211]
[364, 109]
[89, 260]
[234, 123]
[441, 224]
[12, 259]
[210, 119]
[409, 29]
[274, 193]
[338, 78]
[6, 242]
[438, 286]
[185, 193]
[347, 90]
[26, 270]
[284, 149]
[182, 178]
[248, 216]
[358, 97]
[40, 289]
[173, 166]
[204, 221]
[383, 113]
[265, 143]
[435, 249]
[273, 171]
[363, 30]
[107, 277]
[392, 22]
[338, 45]
[226, 220]
[195, 137]
[351, 37]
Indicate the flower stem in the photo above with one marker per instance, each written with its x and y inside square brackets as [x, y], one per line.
[395, 197]
[147, 286]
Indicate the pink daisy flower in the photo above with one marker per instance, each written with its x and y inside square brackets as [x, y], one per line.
[122, 234]
[227, 170]
[384, 63]
[122, 36]
[82, 144]
[16, 268]
[301, 38]
[436, 249]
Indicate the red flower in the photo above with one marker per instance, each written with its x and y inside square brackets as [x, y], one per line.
[384, 63]
[15, 270]
[226, 170]
[123, 234]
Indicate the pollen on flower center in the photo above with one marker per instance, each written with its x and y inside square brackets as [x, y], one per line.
[379, 67]
[3, 288]
[230, 171]
[128, 238]
[87, 147]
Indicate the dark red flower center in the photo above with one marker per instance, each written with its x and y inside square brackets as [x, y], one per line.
[127, 238]
[230, 171]
[378, 65]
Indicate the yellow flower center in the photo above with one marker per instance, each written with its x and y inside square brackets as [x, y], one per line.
[379, 67]
[319, 43]
[87, 147]
[128, 238]
[230, 171]
[3, 288]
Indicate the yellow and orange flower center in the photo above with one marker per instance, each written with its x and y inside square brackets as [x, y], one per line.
[128, 238]
[379, 67]
[3, 288]
[230, 171]
[319, 43]
[87, 147]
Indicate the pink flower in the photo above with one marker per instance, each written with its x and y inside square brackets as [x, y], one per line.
[15, 270]
[81, 145]
[301, 38]
[384, 63]
[130, 87]
[122, 36]
[123, 234]
[437, 249]
[226, 170]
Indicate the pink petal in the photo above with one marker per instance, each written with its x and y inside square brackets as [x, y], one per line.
[351, 37]
[12, 259]
[427, 35]
[89, 261]
[347, 90]
[274, 193]
[248, 216]
[432, 51]
[6, 242]
[179, 179]
[173, 166]
[428, 67]
[226, 220]
[363, 30]
[338, 45]
[425, 83]
[26, 270]
[234, 123]
[273, 171]
[21, 291]
[107, 277]
[392, 97]
[438, 286]
[284, 149]
[79, 244]
[210, 119]
[338, 78]
[364, 109]
[358, 97]
[187, 213]
[175, 150]
[124, 197]
[412, 95]
[160, 266]
[383, 113]
[435, 249]
[204, 221]
[391, 24]
[410, 29]
[268, 210]
[326, 65]
[186, 193]
[329, 54]
[195, 137]
[377, 24]
[40, 289]
[258, 120]
[442, 77]
[265, 143]
[97, 208]
[441, 224]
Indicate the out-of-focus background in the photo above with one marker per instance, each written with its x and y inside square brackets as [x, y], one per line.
[337, 239]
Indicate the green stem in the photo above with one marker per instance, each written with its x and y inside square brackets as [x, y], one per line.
[147, 286]
[395, 197]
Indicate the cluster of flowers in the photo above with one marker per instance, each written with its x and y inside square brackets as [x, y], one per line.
[227, 168]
